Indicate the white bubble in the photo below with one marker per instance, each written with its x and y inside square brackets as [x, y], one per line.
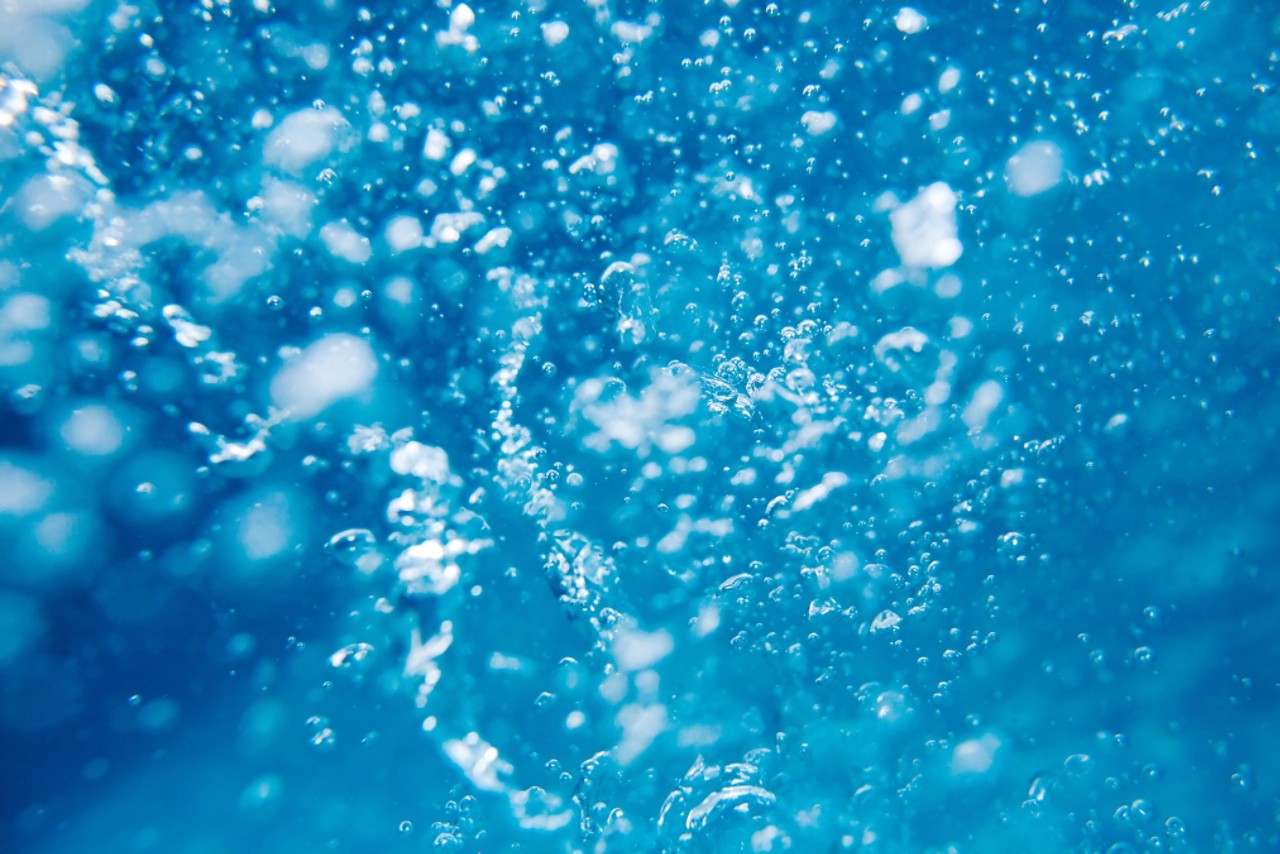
[924, 229]
[303, 138]
[424, 461]
[461, 18]
[335, 367]
[22, 490]
[636, 650]
[288, 206]
[93, 430]
[265, 530]
[47, 198]
[817, 123]
[1034, 168]
[975, 756]
[345, 242]
[910, 21]
[436, 145]
[404, 233]
[640, 725]
[479, 760]
[985, 400]
[554, 32]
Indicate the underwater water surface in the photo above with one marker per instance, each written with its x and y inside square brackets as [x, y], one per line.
[609, 425]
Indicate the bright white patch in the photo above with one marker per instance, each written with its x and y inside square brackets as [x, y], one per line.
[631, 33]
[427, 568]
[637, 650]
[288, 206]
[449, 227]
[640, 726]
[479, 760]
[47, 198]
[985, 400]
[404, 233]
[346, 243]
[22, 491]
[974, 756]
[818, 123]
[92, 430]
[537, 809]
[910, 21]
[20, 315]
[423, 461]
[461, 18]
[924, 229]
[332, 368]
[1034, 168]
[494, 237]
[707, 621]
[811, 496]
[949, 79]
[948, 286]
[554, 32]
[906, 338]
[436, 145]
[303, 138]
[640, 423]
[265, 530]
[602, 160]
[240, 251]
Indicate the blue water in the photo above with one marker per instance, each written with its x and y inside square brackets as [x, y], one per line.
[638, 426]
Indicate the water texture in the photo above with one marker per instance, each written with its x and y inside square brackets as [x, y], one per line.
[639, 426]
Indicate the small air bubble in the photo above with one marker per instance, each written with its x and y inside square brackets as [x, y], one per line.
[321, 736]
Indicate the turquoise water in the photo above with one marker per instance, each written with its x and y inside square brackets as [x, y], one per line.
[624, 426]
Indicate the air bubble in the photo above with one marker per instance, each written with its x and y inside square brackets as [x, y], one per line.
[355, 547]
[350, 656]
[320, 735]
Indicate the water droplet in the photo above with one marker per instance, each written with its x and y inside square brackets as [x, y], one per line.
[406, 826]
